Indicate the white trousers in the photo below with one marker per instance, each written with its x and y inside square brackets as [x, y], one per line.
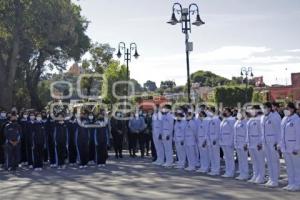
[258, 164]
[181, 155]
[191, 155]
[168, 151]
[272, 157]
[243, 162]
[214, 158]
[293, 168]
[204, 157]
[159, 150]
[229, 160]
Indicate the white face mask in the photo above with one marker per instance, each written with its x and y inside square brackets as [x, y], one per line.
[136, 115]
[32, 117]
[287, 113]
[239, 116]
[39, 119]
[266, 111]
[91, 117]
[25, 116]
[3, 114]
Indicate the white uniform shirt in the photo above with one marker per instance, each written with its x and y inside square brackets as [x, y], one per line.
[254, 133]
[202, 130]
[167, 125]
[190, 132]
[214, 130]
[290, 134]
[240, 134]
[270, 126]
[227, 131]
[156, 124]
[179, 130]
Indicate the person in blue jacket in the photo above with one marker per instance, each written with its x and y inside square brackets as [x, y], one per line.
[101, 139]
[91, 130]
[50, 140]
[60, 139]
[82, 141]
[12, 133]
[45, 123]
[38, 143]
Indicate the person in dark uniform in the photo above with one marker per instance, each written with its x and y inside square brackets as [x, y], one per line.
[91, 130]
[38, 143]
[28, 135]
[51, 143]
[72, 151]
[3, 121]
[23, 121]
[117, 130]
[12, 133]
[148, 135]
[45, 123]
[60, 140]
[82, 141]
[101, 139]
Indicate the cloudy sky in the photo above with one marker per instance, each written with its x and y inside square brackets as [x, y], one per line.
[262, 34]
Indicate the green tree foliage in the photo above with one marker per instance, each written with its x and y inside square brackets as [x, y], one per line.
[206, 78]
[232, 95]
[150, 86]
[37, 36]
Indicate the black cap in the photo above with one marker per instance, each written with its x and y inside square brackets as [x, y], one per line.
[268, 104]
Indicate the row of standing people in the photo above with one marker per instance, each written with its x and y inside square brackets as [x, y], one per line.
[199, 136]
[35, 138]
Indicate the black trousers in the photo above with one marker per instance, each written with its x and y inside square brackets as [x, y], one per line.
[118, 143]
[13, 156]
[23, 150]
[72, 151]
[141, 140]
[2, 154]
[28, 140]
[153, 150]
[38, 156]
[51, 150]
[92, 148]
[147, 138]
[101, 153]
[83, 148]
[60, 150]
[132, 142]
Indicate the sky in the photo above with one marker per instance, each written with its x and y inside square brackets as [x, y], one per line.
[262, 34]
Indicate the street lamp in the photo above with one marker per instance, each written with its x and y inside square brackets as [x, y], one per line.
[246, 72]
[186, 26]
[128, 53]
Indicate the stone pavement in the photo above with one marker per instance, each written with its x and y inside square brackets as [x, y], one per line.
[129, 179]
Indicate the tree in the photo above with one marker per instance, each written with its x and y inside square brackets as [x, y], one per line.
[38, 35]
[150, 86]
[167, 84]
[231, 96]
[206, 78]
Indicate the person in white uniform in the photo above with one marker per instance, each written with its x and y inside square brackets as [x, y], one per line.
[213, 141]
[156, 134]
[226, 142]
[290, 146]
[190, 132]
[167, 134]
[240, 144]
[179, 127]
[202, 123]
[254, 143]
[270, 123]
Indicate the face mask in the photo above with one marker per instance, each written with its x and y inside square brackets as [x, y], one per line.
[118, 114]
[25, 116]
[39, 119]
[239, 116]
[3, 114]
[136, 115]
[287, 113]
[32, 117]
[91, 117]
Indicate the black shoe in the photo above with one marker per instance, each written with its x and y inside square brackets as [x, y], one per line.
[121, 156]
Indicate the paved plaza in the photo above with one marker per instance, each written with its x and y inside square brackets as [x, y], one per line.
[129, 179]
